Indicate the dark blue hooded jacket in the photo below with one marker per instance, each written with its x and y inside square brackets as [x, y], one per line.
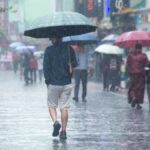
[55, 65]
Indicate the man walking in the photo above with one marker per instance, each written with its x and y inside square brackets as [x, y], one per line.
[58, 79]
[81, 73]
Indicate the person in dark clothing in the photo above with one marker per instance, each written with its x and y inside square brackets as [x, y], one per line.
[59, 59]
[105, 70]
[15, 60]
[114, 72]
[26, 68]
[33, 68]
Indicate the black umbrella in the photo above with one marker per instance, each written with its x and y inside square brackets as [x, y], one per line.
[60, 24]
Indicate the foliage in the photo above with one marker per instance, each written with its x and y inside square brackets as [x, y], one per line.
[7, 9]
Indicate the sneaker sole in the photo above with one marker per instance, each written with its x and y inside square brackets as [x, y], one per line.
[56, 130]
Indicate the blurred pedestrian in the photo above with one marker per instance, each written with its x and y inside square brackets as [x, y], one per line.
[15, 60]
[33, 68]
[136, 63]
[123, 74]
[26, 68]
[114, 72]
[81, 73]
[105, 71]
[21, 65]
[59, 60]
[40, 67]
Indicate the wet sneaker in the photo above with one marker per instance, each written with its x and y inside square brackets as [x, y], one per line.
[56, 129]
[63, 135]
[75, 99]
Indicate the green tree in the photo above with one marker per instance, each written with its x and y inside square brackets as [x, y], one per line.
[5, 9]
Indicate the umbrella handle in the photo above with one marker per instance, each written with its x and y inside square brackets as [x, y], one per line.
[70, 69]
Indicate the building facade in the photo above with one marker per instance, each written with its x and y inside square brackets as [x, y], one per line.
[64, 5]
[24, 12]
[3, 24]
[143, 18]
[3, 16]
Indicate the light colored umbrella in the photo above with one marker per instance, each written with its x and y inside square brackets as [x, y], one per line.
[38, 53]
[16, 44]
[109, 38]
[22, 49]
[109, 49]
[25, 48]
[31, 47]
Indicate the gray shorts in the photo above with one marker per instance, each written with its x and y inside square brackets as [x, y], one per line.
[59, 96]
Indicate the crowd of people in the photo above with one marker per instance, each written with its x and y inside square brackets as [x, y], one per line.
[29, 66]
[57, 72]
[110, 66]
[61, 62]
[114, 69]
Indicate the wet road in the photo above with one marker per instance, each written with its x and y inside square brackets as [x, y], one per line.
[105, 122]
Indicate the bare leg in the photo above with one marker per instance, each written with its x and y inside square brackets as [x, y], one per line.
[53, 113]
[64, 118]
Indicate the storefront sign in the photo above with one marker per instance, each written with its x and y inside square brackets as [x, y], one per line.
[143, 18]
[146, 18]
[137, 3]
[91, 8]
[90, 5]
[107, 7]
[119, 4]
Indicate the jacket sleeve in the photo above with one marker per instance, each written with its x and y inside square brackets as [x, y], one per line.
[46, 67]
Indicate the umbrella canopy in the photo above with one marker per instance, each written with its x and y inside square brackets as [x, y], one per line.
[60, 24]
[110, 38]
[25, 48]
[109, 49]
[16, 44]
[130, 39]
[21, 48]
[31, 47]
[87, 38]
[38, 53]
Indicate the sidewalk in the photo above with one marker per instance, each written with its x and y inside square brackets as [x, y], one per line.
[97, 86]
[105, 122]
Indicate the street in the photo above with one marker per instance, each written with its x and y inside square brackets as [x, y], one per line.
[105, 122]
